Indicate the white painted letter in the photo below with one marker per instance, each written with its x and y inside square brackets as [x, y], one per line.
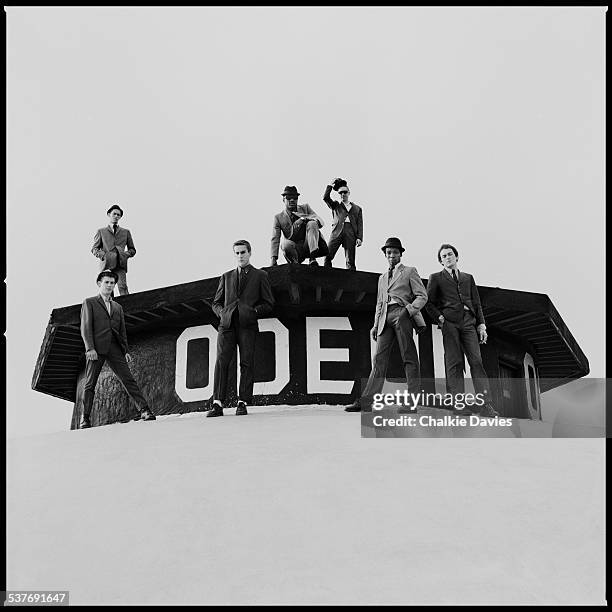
[315, 355]
[180, 377]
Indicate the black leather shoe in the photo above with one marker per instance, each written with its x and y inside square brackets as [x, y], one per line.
[488, 411]
[313, 262]
[147, 415]
[85, 423]
[328, 263]
[241, 410]
[354, 407]
[216, 410]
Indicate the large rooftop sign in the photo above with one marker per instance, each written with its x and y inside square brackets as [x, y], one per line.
[313, 348]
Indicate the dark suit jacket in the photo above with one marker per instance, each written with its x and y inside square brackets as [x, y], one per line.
[98, 328]
[282, 223]
[339, 214]
[444, 297]
[104, 247]
[254, 301]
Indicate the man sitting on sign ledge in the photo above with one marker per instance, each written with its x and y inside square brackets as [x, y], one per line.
[300, 226]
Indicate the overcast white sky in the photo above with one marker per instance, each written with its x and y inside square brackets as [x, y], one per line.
[483, 127]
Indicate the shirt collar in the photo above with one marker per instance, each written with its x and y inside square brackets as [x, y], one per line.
[450, 272]
[106, 300]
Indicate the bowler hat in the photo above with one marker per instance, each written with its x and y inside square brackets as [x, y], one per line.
[107, 273]
[393, 243]
[113, 207]
[339, 183]
[290, 190]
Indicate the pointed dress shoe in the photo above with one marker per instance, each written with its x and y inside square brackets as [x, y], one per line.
[85, 423]
[241, 410]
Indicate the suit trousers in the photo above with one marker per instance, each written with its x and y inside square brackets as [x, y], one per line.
[116, 360]
[460, 339]
[297, 251]
[121, 281]
[348, 239]
[227, 339]
[398, 327]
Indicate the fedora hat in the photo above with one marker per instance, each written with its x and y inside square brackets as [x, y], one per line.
[393, 243]
[107, 273]
[290, 190]
[114, 207]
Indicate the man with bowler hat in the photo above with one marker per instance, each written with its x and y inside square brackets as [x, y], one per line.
[105, 338]
[401, 295]
[454, 303]
[299, 226]
[347, 223]
[113, 245]
[243, 296]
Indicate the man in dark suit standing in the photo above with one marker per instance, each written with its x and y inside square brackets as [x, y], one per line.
[243, 295]
[454, 302]
[105, 339]
[113, 245]
[347, 224]
[401, 295]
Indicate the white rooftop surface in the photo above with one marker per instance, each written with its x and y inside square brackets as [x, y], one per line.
[289, 505]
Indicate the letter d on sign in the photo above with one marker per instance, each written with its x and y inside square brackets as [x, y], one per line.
[315, 355]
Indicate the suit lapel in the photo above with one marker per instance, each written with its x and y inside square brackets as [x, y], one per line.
[103, 306]
[397, 275]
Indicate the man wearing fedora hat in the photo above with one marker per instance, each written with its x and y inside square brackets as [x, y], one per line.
[299, 226]
[347, 223]
[105, 338]
[401, 295]
[113, 245]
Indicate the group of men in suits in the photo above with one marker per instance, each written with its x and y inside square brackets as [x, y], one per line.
[244, 295]
[452, 300]
[296, 229]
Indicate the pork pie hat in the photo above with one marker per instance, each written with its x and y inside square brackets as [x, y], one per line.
[339, 183]
[290, 190]
[107, 273]
[393, 243]
[108, 212]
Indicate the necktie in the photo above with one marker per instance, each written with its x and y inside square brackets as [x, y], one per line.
[391, 268]
[114, 228]
[455, 276]
[240, 280]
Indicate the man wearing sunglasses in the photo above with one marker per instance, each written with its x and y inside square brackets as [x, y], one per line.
[347, 224]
